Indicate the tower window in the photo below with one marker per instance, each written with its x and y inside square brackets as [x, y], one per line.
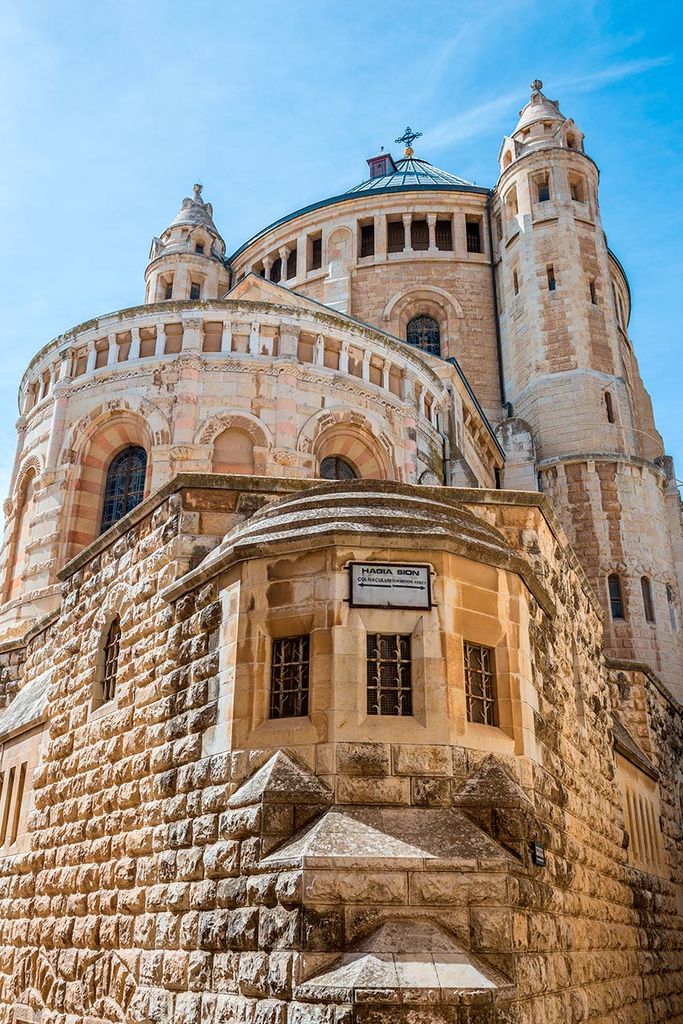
[515, 282]
[367, 240]
[480, 692]
[473, 230]
[111, 661]
[615, 598]
[593, 292]
[291, 264]
[423, 332]
[125, 485]
[577, 188]
[316, 254]
[543, 189]
[289, 677]
[389, 674]
[419, 235]
[648, 604]
[609, 407]
[550, 272]
[168, 289]
[395, 236]
[333, 467]
[276, 270]
[444, 235]
[199, 248]
[195, 290]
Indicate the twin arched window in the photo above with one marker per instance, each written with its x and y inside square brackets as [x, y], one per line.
[333, 467]
[125, 485]
[424, 333]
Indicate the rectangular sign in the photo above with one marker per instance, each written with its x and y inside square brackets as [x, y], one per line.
[389, 585]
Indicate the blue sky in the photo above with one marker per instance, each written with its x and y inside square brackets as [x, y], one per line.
[113, 109]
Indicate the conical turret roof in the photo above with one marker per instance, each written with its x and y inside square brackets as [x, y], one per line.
[194, 211]
[539, 108]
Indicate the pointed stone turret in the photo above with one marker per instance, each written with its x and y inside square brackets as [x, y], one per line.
[541, 125]
[187, 261]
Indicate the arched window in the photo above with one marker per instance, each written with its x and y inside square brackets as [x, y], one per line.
[648, 604]
[125, 486]
[111, 662]
[671, 600]
[615, 598]
[333, 467]
[423, 332]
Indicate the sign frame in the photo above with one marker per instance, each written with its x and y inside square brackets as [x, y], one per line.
[392, 607]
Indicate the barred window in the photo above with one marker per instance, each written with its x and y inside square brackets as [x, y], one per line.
[289, 677]
[480, 689]
[395, 236]
[473, 229]
[316, 254]
[424, 332]
[125, 486]
[444, 235]
[291, 265]
[419, 235]
[111, 661]
[389, 674]
[367, 240]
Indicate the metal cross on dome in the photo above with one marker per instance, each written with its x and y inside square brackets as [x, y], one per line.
[408, 137]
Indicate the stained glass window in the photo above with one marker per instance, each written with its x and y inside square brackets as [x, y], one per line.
[335, 468]
[125, 486]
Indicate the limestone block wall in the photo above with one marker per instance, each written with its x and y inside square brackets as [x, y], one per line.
[164, 881]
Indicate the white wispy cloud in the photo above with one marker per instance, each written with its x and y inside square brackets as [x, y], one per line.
[482, 118]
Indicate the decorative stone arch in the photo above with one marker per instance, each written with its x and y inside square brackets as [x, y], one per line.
[355, 438]
[430, 301]
[21, 505]
[97, 438]
[339, 247]
[239, 443]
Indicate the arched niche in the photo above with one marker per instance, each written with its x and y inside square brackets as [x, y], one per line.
[233, 452]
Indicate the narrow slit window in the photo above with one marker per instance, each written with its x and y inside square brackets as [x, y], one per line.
[195, 290]
[367, 240]
[615, 596]
[389, 674]
[550, 272]
[291, 264]
[515, 282]
[18, 801]
[648, 603]
[593, 292]
[316, 254]
[444, 235]
[168, 290]
[289, 673]
[199, 248]
[111, 661]
[543, 189]
[473, 230]
[480, 689]
[671, 601]
[609, 406]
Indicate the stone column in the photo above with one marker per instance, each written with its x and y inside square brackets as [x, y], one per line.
[381, 236]
[254, 338]
[407, 221]
[226, 336]
[19, 448]
[134, 350]
[301, 256]
[365, 368]
[267, 264]
[431, 224]
[192, 334]
[386, 366]
[319, 351]
[408, 387]
[289, 340]
[92, 357]
[283, 253]
[160, 342]
[344, 357]
[113, 350]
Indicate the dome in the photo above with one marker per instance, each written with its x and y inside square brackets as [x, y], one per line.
[194, 212]
[539, 108]
[412, 173]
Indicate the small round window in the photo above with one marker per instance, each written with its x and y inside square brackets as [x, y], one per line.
[333, 467]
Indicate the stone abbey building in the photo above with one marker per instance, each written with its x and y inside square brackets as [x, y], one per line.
[340, 635]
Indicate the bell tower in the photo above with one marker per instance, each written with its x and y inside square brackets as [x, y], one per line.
[575, 401]
[188, 260]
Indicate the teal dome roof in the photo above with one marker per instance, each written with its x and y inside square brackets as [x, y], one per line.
[411, 173]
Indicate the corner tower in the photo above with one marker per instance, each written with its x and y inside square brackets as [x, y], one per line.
[188, 260]
[573, 388]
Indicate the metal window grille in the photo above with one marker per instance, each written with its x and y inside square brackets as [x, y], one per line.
[333, 467]
[395, 236]
[389, 674]
[473, 236]
[648, 604]
[367, 240]
[423, 332]
[125, 485]
[316, 253]
[615, 598]
[419, 235]
[291, 264]
[111, 661]
[289, 677]
[444, 235]
[480, 690]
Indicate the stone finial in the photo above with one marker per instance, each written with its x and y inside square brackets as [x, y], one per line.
[197, 189]
[536, 86]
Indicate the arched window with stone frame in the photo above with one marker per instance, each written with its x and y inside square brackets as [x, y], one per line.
[334, 467]
[424, 332]
[104, 691]
[124, 486]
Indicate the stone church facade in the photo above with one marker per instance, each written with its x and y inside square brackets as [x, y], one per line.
[340, 645]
